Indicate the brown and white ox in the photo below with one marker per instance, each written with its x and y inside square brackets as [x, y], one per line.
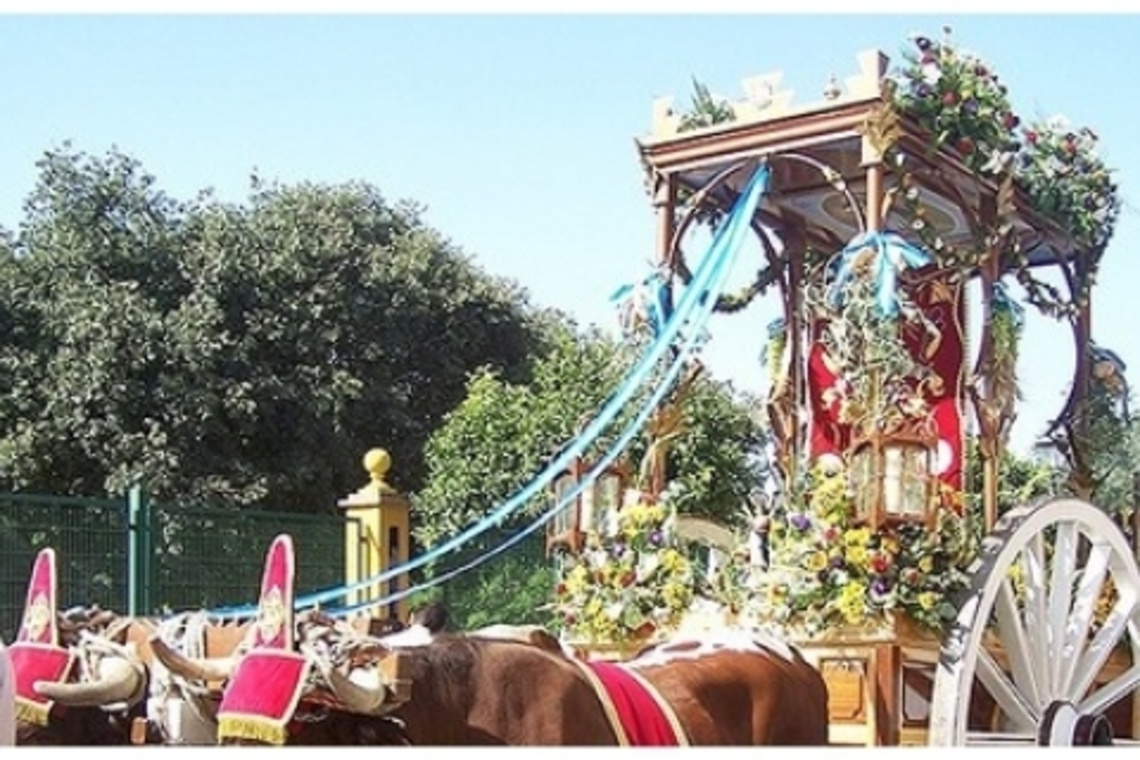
[117, 692]
[510, 685]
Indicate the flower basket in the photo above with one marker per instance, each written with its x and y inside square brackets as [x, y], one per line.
[628, 585]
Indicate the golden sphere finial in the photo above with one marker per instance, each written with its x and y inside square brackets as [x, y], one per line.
[377, 462]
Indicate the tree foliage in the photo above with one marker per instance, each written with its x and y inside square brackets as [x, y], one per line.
[246, 354]
[504, 434]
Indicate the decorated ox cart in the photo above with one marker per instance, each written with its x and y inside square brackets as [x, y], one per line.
[880, 212]
[892, 209]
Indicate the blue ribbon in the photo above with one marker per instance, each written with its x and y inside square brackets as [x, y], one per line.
[741, 215]
[892, 253]
[697, 299]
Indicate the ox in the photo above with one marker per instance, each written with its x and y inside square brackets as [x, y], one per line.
[104, 700]
[82, 676]
[729, 689]
[515, 685]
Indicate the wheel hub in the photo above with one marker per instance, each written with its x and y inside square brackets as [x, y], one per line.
[1063, 725]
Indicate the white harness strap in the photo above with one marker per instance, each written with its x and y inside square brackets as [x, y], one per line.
[177, 705]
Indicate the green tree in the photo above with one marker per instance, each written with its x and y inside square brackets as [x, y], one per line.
[245, 354]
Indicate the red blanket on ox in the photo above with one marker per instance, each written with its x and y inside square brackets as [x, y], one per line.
[261, 697]
[639, 715]
[32, 663]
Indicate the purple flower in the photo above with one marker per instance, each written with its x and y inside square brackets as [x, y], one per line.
[879, 591]
[923, 43]
[924, 90]
[618, 549]
[655, 538]
[837, 561]
[970, 106]
[800, 521]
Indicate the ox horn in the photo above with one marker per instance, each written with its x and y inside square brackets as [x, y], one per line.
[211, 669]
[356, 697]
[120, 680]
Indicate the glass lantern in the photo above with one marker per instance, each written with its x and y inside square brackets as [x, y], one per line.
[588, 511]
[892, 475]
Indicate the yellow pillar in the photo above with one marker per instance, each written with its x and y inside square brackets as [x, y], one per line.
[377, 536]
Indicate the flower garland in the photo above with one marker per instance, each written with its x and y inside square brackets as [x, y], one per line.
[956, 97]
[879, 372]
[828, 573]
[1068, 181]
[1006, 326]
[629, 583]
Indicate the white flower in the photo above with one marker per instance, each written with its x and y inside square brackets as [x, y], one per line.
[830, 464]
[931, 73]
[647, 564]
[1057, 123]
[613, 611]
[998, 161]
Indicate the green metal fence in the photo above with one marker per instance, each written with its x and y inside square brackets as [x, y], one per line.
[140, 557]
[90, 537]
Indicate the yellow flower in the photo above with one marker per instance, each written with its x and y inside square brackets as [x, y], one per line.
[890, 544]
[816, 561]
[672, 561]
[851, 602]
[676, 595]
[926, 564]
[857, 537]
[927, 600]
[577, 579]
[857, 555]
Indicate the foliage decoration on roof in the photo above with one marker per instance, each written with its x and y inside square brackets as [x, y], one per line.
[964, 107]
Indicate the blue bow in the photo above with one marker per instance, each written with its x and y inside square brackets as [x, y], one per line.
[892, 254]
[776, 328]
[1004, 302]
[1105, 355]
[648, 299]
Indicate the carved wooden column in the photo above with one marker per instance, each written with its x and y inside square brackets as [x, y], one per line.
[797, 326]
[665, 205]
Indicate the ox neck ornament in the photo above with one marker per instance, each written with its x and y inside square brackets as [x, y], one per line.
[272, 618]
[37, 618]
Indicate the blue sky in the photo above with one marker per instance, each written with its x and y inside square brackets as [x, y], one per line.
[517, 131]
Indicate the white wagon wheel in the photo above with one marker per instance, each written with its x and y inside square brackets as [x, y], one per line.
[1067, 551]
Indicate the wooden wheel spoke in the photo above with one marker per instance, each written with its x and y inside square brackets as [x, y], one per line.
[1061, 598]
[1011, 701]
[1080, 618]
[1015, 641]
[1102, 645]
[1112, 692]
[1036, 617]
